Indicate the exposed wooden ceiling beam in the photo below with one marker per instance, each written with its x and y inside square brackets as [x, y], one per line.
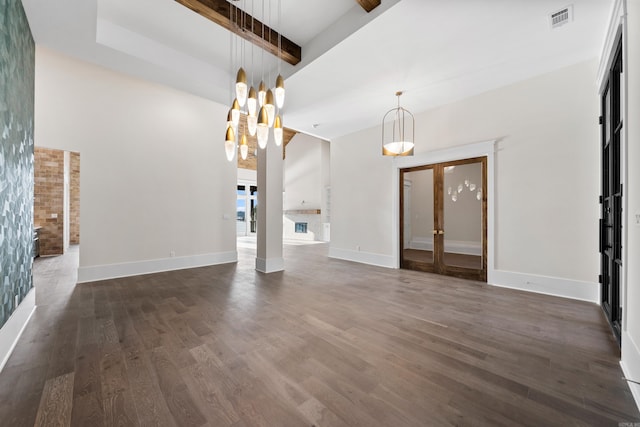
[219, 11]
[369, 5]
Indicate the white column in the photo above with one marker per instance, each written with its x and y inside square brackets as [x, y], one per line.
[269, 249]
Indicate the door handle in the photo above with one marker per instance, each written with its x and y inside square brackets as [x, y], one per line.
[438, 231]
[435, 231]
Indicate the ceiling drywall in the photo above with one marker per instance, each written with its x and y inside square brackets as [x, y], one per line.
[437, 51]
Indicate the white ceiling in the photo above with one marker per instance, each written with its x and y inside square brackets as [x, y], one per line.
[437, 51]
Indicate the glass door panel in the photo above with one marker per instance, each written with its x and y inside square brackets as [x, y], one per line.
[418, 219]
[462, 215]
[443, 218]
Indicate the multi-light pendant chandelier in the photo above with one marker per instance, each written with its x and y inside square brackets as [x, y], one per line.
[263, 110]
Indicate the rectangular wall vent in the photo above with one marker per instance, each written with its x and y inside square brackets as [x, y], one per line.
[561, 17]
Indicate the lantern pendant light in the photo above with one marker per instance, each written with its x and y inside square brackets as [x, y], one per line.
[398, 133]
[263, 127]
[278, 131]
[230, 143]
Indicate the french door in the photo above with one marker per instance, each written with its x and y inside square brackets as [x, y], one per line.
[611, 198]
[443, 218]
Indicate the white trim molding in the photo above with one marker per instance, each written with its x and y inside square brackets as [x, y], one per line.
[379, 260]
[616, 22]
[630, 364]
[114, 271]
[269, 265]
[450, 246]
[14, 326]
[556, 286]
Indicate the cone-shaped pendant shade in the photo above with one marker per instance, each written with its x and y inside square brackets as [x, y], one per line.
[262, 92]
[279, 91]
[230, 143]
[241, 87]
[252, 124]
[244, 147]
[252, 102]
[270, 106]
[263, 127]
[230, 118]
[278, 132]
[235, 113]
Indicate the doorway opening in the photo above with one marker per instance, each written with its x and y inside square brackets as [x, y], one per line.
[246, 209]
[443, 218]
[56, 206]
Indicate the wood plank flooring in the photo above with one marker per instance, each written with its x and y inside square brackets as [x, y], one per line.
[325, 343]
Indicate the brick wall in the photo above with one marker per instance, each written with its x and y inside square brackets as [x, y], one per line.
[74, 202]
[48, 199]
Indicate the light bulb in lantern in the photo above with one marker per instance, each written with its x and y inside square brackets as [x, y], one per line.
[241, 87]
[278, 132]
[271, 108]
[262, 93]
[244, 147]
[263, 128]
[230, 143]
[279, 91]
[459, 188]
[252, 101]
[252, 124]
[472, 187]
[235, 113]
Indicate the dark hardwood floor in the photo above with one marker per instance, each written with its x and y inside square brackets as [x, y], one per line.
[325, 343]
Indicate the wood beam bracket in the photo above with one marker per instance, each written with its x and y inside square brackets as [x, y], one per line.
[369, 5]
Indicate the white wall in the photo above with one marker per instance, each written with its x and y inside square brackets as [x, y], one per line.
[631, 307]
[303, 176]
[546, 175]
[156, 190]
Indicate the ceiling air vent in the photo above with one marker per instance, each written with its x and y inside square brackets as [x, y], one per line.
[561, 17]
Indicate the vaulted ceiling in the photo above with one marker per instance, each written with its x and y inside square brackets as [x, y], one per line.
[352, 62]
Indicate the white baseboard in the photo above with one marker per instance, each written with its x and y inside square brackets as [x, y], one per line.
[567, 288]
[463, 247]
[450, 246]
[14, 326]
[362, 257]
[114, 271]
[630, 365]
[421, 243]
[269, 265]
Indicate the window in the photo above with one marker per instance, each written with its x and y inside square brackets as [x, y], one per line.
[301, 227]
